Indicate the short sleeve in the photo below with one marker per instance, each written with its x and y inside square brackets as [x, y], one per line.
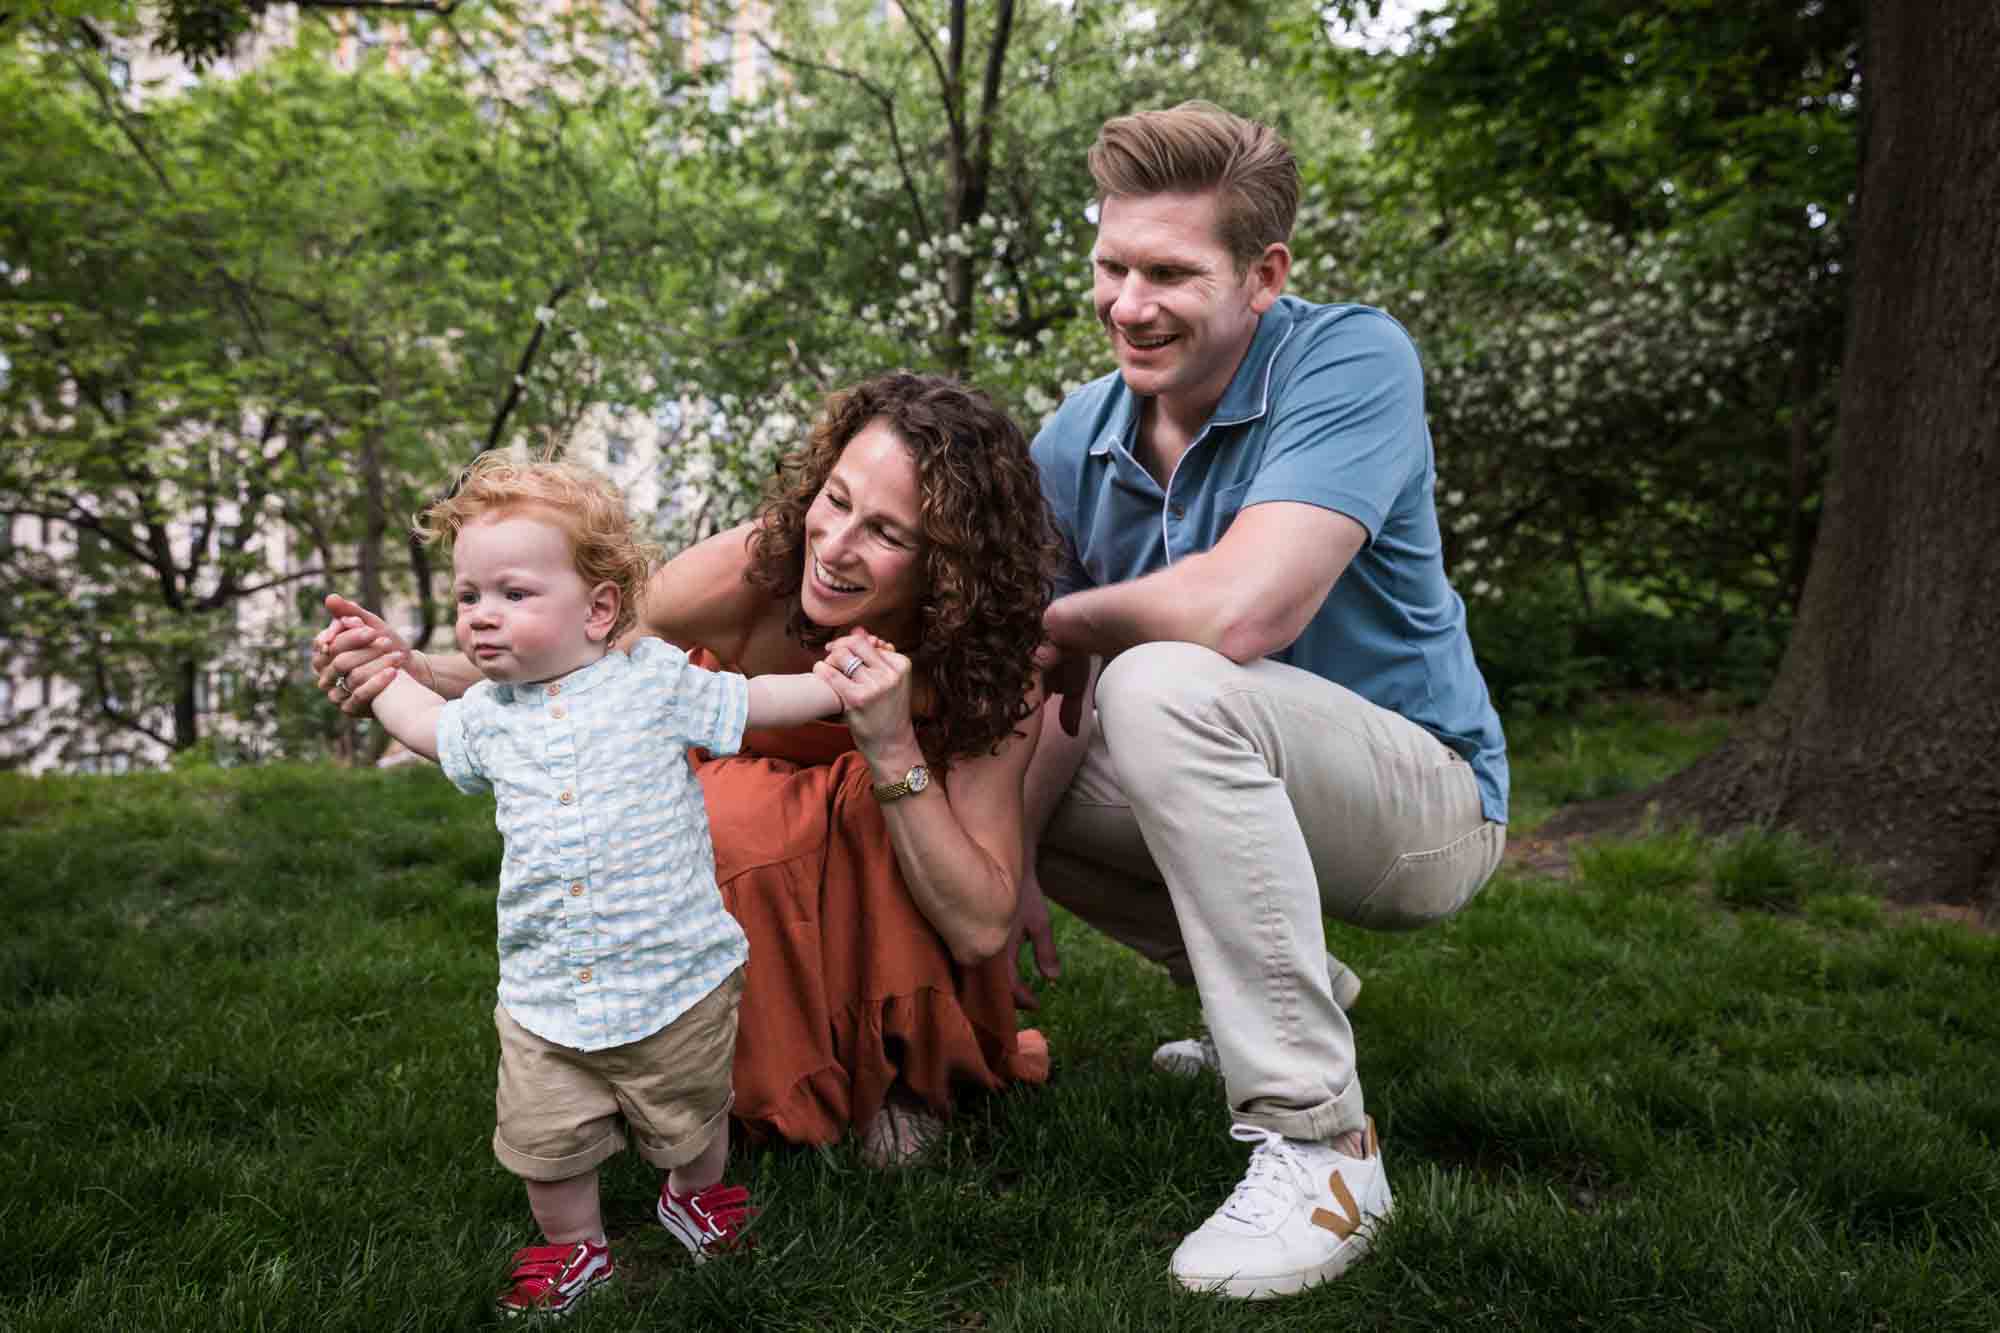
[709, 709]
[1069, 576]
[457, 747]
[1347, 421]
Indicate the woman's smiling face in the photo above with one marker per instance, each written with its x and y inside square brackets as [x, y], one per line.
[864, 538]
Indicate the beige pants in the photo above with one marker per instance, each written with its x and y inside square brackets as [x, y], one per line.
[1261, 797]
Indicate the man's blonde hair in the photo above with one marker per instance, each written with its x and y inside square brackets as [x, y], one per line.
[577, 499]
[1196, 147]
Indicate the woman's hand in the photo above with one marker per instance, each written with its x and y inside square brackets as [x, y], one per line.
[354, 658]
[873, 682]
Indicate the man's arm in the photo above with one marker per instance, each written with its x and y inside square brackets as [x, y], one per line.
[1065, 730]
[410, 713]
[1248, 596]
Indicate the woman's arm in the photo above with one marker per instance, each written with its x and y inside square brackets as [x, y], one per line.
[959, 842]
[701, 598]
[350, 660]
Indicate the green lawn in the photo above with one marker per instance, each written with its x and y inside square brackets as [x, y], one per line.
[249, 1064]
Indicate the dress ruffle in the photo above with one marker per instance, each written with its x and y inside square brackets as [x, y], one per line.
[848, 989]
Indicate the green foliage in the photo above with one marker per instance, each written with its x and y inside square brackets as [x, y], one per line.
[1619, 236]
[302, 298]
[248, 1020]
[888, 205]
[1543, 648]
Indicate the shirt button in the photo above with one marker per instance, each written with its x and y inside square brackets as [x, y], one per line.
[555, 689]
[559, 711]
[576, 890]
[583, 975]
[1176, 511]
[567, 798]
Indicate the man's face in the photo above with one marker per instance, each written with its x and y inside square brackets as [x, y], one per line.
[1168, 294]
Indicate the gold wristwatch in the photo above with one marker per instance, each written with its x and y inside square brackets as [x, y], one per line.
[913, 782]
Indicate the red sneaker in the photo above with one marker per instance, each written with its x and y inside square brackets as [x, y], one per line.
[708, 1221]
[550, 1279]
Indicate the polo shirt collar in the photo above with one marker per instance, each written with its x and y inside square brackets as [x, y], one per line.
[589, 677]
[1247, 397]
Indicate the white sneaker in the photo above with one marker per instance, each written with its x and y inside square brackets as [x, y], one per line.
[1301, 1214]
[1194, 1055]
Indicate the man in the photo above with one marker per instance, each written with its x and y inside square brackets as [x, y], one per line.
[1289, 722]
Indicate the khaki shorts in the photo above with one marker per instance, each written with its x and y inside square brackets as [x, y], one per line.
[562, 1112]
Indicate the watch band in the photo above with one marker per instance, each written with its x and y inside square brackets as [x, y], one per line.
[912, 782]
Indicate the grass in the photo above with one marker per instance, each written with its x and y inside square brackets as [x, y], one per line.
[249, 1063]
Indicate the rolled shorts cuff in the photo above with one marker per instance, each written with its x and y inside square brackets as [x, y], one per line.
[679, 1152]
[1333, 1117]
[541, 1169]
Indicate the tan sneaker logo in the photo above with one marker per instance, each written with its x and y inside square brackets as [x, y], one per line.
[1342, 1227]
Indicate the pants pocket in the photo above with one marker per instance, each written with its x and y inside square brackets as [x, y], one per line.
[1423, 887]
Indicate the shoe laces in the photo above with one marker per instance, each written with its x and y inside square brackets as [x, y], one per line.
[1275, 1180]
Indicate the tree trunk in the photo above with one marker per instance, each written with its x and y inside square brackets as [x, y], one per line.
[1881, 735]
[187, 723]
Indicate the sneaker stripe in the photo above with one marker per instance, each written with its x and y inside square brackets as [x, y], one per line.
[1342, 1227]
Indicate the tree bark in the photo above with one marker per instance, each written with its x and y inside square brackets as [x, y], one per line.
[1881, 735]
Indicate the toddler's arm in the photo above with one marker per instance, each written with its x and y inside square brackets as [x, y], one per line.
[410, 713]
[786, 701]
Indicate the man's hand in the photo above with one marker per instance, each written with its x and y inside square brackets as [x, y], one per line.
[1031, 924]
[1066, 674]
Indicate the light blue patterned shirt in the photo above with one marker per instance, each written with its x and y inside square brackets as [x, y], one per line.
[611, 925]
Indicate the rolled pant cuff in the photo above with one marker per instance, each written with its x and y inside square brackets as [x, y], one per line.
[528, 1166]
[1339, 1115]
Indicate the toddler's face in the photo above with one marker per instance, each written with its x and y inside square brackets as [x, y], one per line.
[524, 613]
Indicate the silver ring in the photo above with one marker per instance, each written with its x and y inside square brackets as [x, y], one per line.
[851, 665]
[340, 683]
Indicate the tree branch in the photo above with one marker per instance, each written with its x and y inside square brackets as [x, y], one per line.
[516, 385]
[888, 104]
[395, 6]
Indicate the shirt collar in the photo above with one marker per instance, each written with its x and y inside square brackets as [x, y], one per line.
[1247, 397]
[583, 678]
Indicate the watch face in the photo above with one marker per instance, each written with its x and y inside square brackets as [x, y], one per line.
[918, 778]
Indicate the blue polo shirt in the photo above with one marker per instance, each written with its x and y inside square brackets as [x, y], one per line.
[1328, 409]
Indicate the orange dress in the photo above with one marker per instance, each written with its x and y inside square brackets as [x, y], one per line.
[848, 988]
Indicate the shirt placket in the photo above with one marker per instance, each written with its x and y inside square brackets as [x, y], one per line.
[580, 961]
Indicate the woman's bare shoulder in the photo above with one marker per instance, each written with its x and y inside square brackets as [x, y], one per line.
[702, 597]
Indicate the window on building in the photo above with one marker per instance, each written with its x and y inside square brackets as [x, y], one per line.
[617, 449]
[119, 70]
[6, 698]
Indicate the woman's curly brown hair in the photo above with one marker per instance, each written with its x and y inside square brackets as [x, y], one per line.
[989, 554]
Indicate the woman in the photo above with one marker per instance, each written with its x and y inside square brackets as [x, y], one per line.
[874, 864]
